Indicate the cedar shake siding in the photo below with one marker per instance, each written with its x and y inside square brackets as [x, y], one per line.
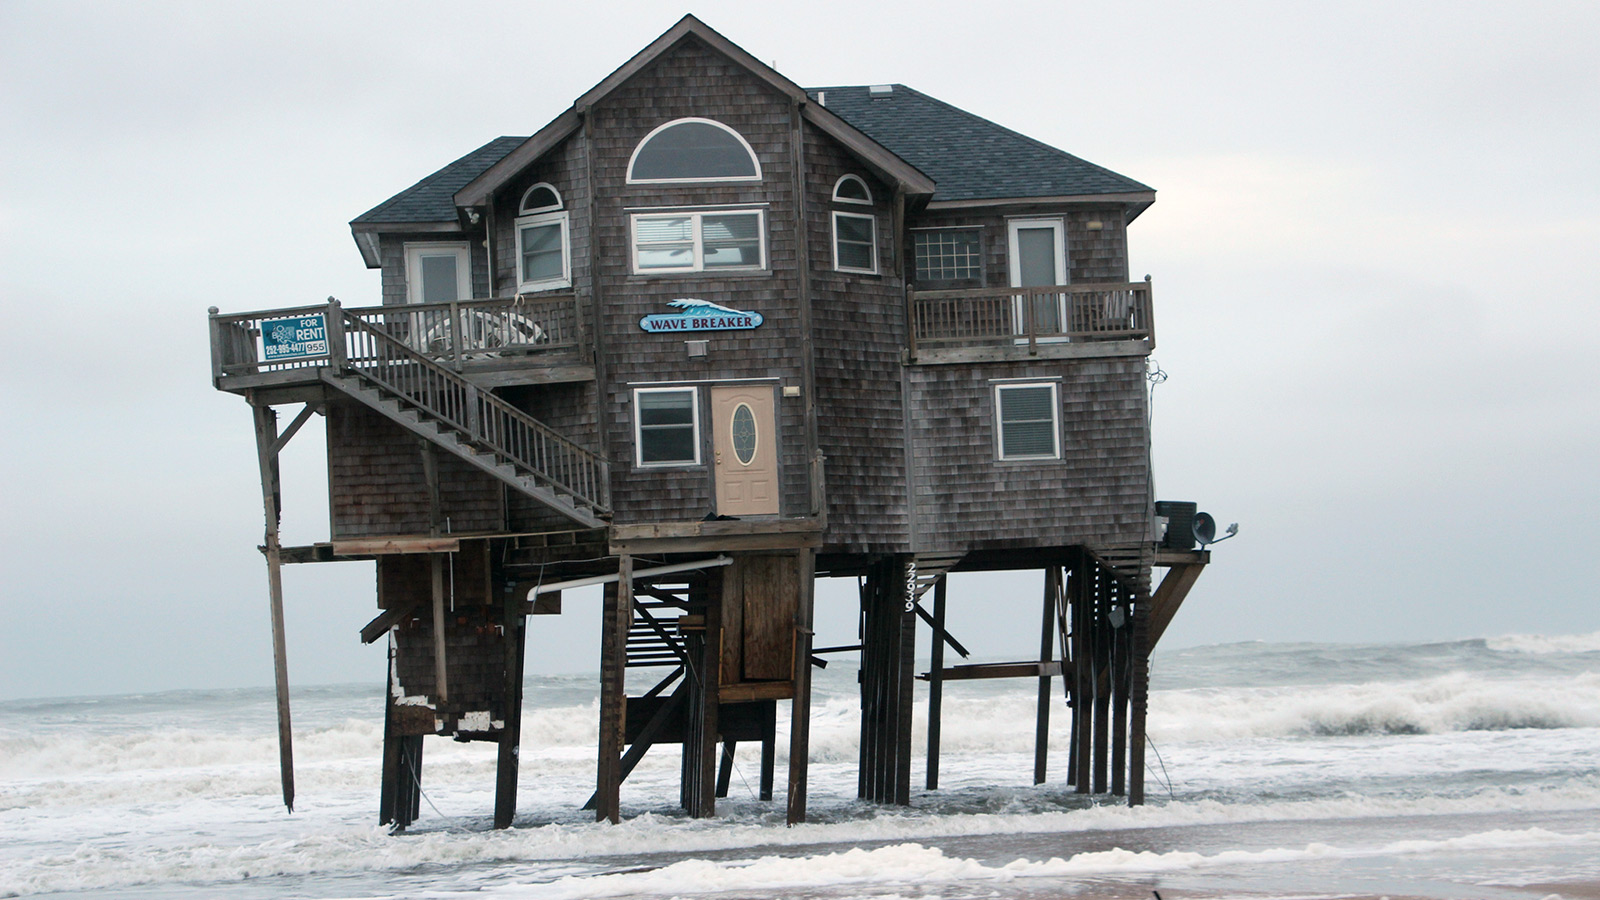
[692, 81]
[376, 485]
[1097, 492]
[859, 327]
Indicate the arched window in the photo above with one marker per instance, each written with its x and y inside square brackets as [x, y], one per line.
[851, 189]
[855, 234]
[544, 252]
[542, 197]
[693, 150]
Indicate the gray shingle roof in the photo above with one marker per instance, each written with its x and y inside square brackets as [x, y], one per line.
[432, 198]
[969, 157]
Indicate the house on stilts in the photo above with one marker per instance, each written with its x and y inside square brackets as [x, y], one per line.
[706, 337]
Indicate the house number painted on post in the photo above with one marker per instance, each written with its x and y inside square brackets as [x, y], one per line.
[701, 315]
[911, 585]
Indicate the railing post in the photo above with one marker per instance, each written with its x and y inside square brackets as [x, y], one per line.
[336, 349]
[216, 348]
[911, 323]
[456, 324]
[1028, 324]
[1150, 311]
[474, 417]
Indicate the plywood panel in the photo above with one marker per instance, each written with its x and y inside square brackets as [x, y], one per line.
[771, 587]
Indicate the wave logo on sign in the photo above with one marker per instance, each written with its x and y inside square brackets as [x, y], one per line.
[701, 315]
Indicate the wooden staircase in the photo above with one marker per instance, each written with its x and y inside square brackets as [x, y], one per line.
[434, 403]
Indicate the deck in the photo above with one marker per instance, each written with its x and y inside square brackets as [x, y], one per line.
[1053, 322]
[493, 342]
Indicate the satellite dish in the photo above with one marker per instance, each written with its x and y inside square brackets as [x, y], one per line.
[1205, 530]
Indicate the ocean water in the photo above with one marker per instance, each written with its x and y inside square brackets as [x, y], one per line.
[1457, 770]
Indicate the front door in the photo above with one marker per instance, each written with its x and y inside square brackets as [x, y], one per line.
[746, 449]
[1038, 259]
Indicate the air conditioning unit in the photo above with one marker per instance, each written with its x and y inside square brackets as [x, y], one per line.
[1179, 516]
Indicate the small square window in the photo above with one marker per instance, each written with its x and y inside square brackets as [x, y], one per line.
[855, 243]
[1028, 421]
[948, 254]
[667, 426]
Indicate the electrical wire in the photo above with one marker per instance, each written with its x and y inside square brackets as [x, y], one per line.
[1166, 780]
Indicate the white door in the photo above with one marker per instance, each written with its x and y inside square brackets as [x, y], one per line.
[746, 449]
[1038, 258]
[436, 273]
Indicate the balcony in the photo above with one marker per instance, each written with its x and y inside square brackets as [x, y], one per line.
[493, 342]
[1011, 323]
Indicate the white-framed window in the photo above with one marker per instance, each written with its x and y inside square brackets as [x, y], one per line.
[1027, 420]
[851, 189]
[438, 272]
[855, 243]
[948, 254]
[544, 256]
[544, 251]
[666, 426]
[542, 197]
[696, 241]
[688, 150]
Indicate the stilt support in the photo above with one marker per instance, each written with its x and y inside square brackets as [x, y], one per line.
[505, 787]
[888, 643]
[936, 682]
[800, 716]
[267, 447]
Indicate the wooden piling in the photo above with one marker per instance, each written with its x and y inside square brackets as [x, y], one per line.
[888, 645]
[617, 613]
[1138, 698]
[1047, 639]
[800, 706]
[266, 427]
[505, 789]
[936, 683]
[698, 781]
[1083, 673]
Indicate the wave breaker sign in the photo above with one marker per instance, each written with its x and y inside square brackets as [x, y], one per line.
[701, 315]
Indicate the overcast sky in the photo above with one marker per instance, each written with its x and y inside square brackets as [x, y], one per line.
[1375, 252]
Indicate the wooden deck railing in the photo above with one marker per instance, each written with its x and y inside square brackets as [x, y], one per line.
[1004, 316]
[453, 333]
[379, 345]
[479, 416]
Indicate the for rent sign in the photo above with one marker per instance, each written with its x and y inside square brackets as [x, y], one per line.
[294, 338]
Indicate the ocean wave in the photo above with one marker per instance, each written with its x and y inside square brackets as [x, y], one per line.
[75, 753]
[1543, 644]
[1448, 703]
[916, 865]
[357, 849]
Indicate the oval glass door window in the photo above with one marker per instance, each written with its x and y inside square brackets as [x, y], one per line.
[743, 429]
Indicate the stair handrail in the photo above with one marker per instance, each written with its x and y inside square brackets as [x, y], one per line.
[483, 416]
